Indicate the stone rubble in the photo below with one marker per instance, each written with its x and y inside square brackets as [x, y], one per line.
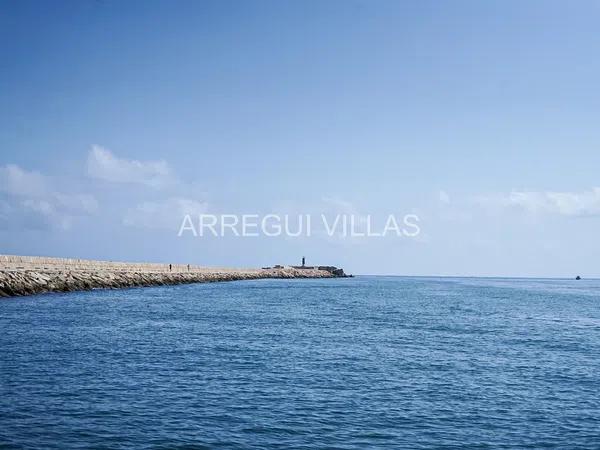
[28, 282]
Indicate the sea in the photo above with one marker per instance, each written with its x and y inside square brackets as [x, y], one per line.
[356, 363]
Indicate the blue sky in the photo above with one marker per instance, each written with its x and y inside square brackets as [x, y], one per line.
[480, 117]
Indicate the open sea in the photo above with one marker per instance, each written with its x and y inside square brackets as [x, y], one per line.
[368, 362]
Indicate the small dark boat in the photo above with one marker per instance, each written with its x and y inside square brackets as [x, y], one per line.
[578, 277]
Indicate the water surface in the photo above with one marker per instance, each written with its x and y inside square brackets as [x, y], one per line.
[379, 362]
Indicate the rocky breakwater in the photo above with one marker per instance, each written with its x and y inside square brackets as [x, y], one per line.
[28, 275]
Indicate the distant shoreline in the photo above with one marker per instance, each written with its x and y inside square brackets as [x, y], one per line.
[30, 275]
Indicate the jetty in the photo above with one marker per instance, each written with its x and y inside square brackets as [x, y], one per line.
[28, 275]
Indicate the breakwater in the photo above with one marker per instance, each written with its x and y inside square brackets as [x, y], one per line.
[27, 275]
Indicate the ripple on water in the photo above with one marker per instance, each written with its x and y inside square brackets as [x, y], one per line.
[354, 363]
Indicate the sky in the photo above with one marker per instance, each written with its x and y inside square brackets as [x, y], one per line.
[118, 118]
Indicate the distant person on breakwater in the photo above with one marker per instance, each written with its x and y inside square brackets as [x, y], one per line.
[170, 267]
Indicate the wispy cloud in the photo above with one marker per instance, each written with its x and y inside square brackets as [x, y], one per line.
[29, 200]
[19, 182]
[574, 204]
[171, 198]
[104, 165]
[166, 214]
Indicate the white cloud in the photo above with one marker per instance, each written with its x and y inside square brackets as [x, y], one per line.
[30, 201]
[19, 182]
[574, 204]
[164, 213]
[75, 203]
[31, 215]
[43, 213]
[167, 214]
[104, 165]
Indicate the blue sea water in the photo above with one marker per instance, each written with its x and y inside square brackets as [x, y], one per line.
[369, 362]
